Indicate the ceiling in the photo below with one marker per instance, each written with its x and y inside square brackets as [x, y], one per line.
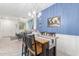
[21, 9]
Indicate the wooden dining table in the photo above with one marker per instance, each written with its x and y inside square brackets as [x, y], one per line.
[44, 41]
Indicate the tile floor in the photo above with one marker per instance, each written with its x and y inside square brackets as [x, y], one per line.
[10, 47]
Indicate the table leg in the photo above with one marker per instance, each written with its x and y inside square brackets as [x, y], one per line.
[43, 49]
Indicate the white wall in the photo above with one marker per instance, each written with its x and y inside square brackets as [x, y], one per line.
[8, 27]
[67, 45]
[27, 27]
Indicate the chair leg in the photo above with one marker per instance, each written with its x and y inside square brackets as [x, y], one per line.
[23, 52]
[22, 49]
[26, 51]
[54, 51]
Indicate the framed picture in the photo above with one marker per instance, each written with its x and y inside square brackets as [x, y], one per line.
[54, 21]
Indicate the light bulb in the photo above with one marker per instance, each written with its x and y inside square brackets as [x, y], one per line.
[34, 12]
[39, 14]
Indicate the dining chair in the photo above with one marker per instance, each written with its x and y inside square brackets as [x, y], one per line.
[24, 46]
[52, 51]
[34, 49]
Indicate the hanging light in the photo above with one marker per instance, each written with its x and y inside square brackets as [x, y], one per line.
[39, 14]
[34, 12]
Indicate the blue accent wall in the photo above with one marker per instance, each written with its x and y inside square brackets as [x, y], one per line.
[69, 13]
